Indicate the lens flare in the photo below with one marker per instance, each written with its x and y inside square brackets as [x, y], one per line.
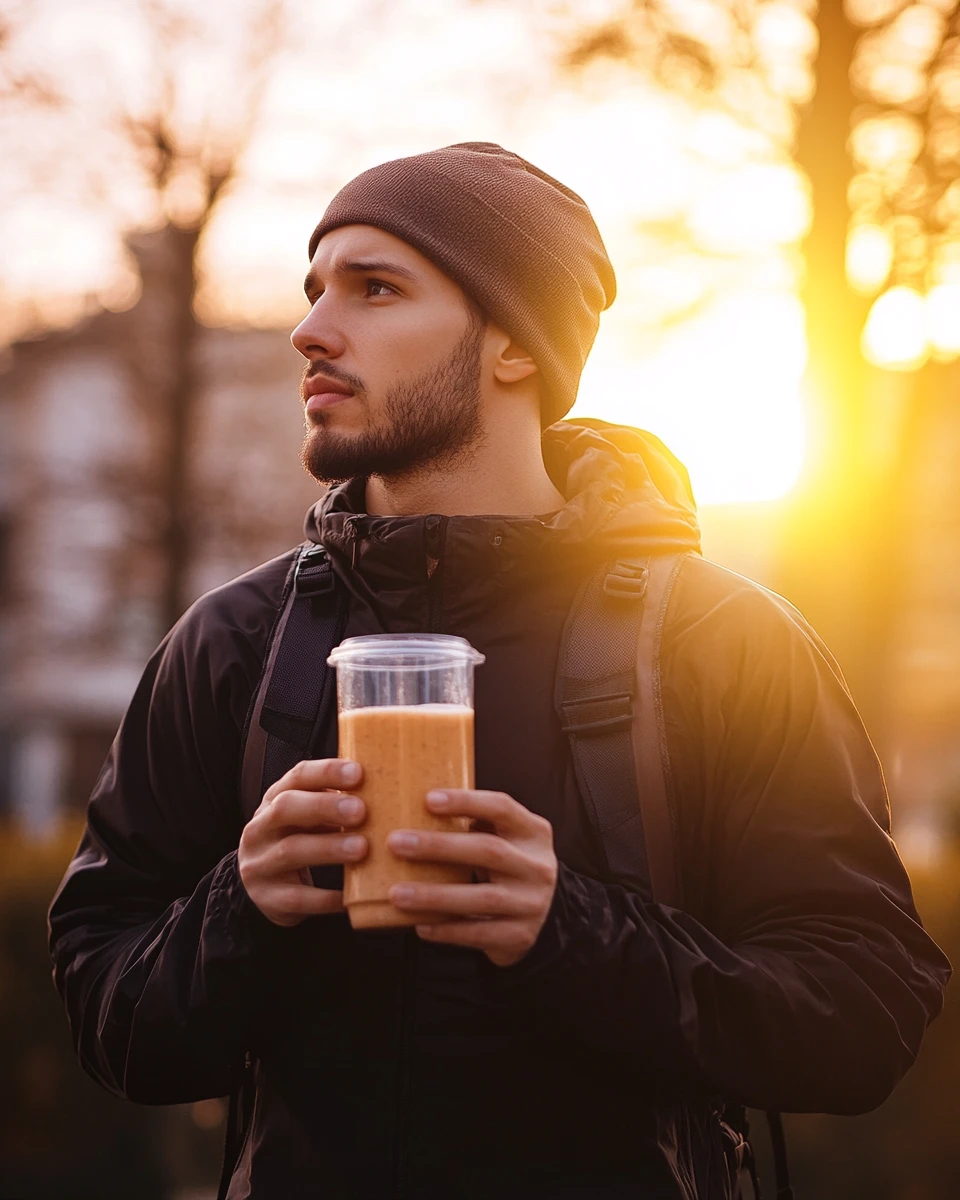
[869, 258]
[895, 335]
[943, 319]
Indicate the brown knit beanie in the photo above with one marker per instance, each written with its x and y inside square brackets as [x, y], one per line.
[521, 244]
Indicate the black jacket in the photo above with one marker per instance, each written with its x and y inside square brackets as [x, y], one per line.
[798, 976]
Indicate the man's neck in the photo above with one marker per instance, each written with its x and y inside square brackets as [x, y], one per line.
[503, 477]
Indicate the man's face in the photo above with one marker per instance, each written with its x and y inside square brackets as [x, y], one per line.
[394, 352]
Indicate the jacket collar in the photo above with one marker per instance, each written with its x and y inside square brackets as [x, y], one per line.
[626, 496]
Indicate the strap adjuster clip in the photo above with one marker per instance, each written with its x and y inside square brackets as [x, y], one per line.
[627, 581]
[314, 575]
[597, 714]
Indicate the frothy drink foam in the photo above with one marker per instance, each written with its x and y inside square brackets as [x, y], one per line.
[405, 751]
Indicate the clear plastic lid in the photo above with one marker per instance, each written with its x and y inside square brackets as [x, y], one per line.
[399, 651]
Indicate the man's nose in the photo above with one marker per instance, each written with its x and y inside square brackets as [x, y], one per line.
[317, 335]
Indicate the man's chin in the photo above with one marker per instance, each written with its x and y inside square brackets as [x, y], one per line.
[329, 457]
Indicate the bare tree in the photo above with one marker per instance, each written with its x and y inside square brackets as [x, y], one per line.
[895, 62]
[153, 112]
[21, 85]
[719, 63]
[189, 160]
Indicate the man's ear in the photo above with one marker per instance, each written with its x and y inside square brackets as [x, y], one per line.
[513, 363]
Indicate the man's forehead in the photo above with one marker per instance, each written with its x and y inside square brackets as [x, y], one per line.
[364, 241]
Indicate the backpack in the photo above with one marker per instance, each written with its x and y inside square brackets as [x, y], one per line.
[607, 698]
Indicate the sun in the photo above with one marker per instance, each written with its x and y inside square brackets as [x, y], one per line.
[723, 391]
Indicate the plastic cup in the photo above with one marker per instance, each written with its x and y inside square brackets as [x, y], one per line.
[405, 713]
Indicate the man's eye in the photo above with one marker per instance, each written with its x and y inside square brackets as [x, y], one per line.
[376, 288]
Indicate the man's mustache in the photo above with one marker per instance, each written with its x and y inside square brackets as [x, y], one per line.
[354, 382]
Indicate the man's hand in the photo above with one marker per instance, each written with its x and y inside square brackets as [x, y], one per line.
[303, 822]
[503, 914]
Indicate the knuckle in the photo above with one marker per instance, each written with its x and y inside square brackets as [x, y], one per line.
[288, 900]
[280, 807]
[538, 907]
[247, 876]
[283, 854]
[491, 849]
[297, 774]
[545, 871]
[502, 856]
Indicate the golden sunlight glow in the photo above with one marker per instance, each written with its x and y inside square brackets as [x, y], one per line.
[895, 335]
[943, 319]
[869, 258]
[723, 392]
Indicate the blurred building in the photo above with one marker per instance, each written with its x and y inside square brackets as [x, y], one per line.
[80, 553]
[82, 439]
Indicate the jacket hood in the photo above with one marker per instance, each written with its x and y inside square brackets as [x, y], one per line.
[626, 494]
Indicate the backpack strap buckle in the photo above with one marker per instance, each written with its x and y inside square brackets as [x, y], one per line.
[627, 580]
[314, 574]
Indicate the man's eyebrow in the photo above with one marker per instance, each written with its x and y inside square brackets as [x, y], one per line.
[364, 266]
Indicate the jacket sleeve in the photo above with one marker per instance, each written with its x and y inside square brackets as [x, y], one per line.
[798, 976]
[160, 956]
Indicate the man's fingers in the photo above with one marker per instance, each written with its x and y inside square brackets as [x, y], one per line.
[507, 816]
[293, 809]
[316, 774]
[465, 899]
[298, 850]
[510, 938]
[481, 850]
[300, 901]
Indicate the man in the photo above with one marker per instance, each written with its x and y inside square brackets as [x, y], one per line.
[549, 1033]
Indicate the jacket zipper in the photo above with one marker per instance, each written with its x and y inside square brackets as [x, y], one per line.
[435, 536]
[435, 530]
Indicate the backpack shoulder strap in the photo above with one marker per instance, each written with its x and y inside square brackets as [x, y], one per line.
[648, 736]
[287, 713]
[605, 690]
[295, 690]
[607, 699]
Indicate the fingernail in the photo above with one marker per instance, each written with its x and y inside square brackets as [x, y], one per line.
[404, 841]
[401, 893]
[438, 799]
[353, 845]
[350, 772]
[350, 807]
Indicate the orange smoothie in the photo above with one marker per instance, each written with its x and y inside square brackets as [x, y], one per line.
[405, 752]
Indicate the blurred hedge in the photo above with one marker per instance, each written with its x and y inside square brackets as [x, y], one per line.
[908, 1149]
[63, 1138]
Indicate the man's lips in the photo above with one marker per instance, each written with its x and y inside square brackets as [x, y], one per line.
[320, 392]
[321, 400]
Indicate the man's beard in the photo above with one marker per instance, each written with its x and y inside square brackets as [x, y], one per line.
[429, 421]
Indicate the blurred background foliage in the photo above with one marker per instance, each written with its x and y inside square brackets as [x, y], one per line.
[778, 182]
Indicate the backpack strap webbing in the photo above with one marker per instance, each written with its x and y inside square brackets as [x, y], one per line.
[648, 739]
[295, 692]
[288, 713]
[603, 697]
[608, 699]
